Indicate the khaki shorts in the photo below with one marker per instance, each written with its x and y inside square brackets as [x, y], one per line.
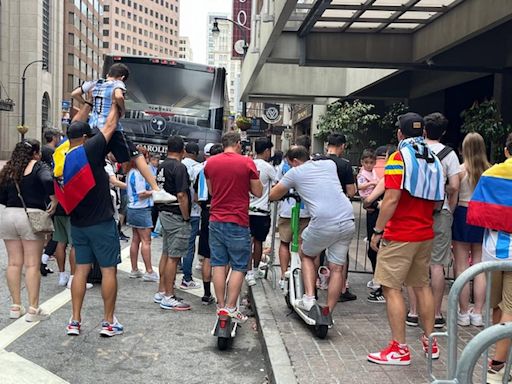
[501, 291]
[14, 225]
[175, 234]
[400, 263]
[441, 249]
[285, 229]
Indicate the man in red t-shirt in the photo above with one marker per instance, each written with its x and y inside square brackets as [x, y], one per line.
[230, 177]
[403, 237]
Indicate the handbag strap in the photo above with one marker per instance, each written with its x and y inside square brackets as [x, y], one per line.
[21, 197]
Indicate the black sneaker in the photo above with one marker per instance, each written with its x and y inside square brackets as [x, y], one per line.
[376, 297]
[412, 321]
[347, 296]
[122, 236]
[45, 270]
[440, 322]
[206, 300]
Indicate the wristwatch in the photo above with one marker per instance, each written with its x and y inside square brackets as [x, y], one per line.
[377, 232]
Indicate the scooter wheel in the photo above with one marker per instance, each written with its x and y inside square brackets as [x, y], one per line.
[222, 343]
[321, 331]
[287, 299]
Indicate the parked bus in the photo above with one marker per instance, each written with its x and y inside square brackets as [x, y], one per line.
[167, 97]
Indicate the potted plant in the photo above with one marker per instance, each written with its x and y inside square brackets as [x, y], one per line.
[243, 123]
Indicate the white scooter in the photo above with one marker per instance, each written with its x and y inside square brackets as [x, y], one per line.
[318, 316]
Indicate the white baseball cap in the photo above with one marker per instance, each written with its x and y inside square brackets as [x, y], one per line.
[207, 148]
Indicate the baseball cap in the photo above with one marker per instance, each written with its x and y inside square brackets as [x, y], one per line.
[192, 148]
[78, 129]
[207, 148]
[411, 124]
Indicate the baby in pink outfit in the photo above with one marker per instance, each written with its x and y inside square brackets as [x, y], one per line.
[367, 178]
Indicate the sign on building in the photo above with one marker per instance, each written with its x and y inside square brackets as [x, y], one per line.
[242, 16]
[272, 113]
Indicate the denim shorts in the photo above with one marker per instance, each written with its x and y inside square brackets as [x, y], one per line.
[230, 244]
[99, 242]
[139, 218]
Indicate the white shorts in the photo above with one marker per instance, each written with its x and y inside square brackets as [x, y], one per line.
[14, 225]
[335, 239]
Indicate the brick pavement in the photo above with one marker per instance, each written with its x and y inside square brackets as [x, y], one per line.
[360, 327]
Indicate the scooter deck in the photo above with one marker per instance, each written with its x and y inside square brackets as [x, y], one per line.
[232, 326]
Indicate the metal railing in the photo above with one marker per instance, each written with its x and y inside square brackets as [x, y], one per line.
[461, 372]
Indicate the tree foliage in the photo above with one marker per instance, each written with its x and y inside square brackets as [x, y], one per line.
[485, 119]
[350, 118]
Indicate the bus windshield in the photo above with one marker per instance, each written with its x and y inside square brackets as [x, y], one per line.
[166, 97]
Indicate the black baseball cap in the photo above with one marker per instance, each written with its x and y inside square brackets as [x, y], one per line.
[79, 129]
[411, 124]
[192, 148]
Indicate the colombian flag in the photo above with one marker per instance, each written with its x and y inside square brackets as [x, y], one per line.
[491, 204]
[77, 179]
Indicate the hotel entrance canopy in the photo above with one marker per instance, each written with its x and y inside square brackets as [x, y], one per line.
[313, 50]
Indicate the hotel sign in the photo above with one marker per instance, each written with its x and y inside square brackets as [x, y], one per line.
[242, 16]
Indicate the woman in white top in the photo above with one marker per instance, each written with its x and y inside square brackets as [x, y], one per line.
[467, 239]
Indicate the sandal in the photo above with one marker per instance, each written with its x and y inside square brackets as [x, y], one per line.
[16, 311]
[36, 314]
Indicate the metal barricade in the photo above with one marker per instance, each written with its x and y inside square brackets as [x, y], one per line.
[461, 372]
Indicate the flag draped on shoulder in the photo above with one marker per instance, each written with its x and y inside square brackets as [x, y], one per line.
[76, 181]
[423, 173]
[491, 203]
[59, 156]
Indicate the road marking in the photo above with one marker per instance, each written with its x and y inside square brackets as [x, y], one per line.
[16, 369]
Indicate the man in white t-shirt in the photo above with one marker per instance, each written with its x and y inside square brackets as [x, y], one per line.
[259, 207]
[435, 127]
[332, 220]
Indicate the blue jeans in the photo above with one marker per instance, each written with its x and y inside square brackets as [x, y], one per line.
[230, 244]
[189, 259]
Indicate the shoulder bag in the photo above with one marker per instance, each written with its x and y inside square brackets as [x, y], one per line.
[39, 220]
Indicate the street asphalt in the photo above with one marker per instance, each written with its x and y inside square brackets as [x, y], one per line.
[158, 346]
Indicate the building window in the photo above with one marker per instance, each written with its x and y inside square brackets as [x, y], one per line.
[116, 47]
[105, 44]
[106, 20]
[71, 39]
[71, 59]
[106, 32]
[45, 111]
[46, 32]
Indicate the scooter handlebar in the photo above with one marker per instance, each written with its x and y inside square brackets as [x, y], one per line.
[293, 195]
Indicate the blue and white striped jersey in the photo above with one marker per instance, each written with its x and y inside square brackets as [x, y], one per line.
[103, 95]
[497, 245]
[135, 184]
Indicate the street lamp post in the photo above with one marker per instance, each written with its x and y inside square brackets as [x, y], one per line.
[22, 128]
[245, 47]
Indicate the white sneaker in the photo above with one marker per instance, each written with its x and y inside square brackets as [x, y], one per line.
[151, 277]
[63, 279]
[475, 319]
[136, 274]
[158, 297]
[305, 303]
[463, 319]
[163, 197]
[250, 278]
[68, 285]
[282, 284]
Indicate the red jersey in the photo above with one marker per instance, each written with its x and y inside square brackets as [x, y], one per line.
[230, 176]
[413, 218]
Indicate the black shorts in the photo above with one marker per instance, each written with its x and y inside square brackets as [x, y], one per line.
[121, 146]
[260, 227]
[204, 233]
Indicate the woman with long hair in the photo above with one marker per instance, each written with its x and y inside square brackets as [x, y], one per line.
[467, 239]
[24, 247]
[138, 217]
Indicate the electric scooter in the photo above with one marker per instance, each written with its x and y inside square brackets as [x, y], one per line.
[225, 328]
[318, 316]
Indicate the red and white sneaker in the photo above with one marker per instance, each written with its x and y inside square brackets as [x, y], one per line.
[393, 354]
[435, 348]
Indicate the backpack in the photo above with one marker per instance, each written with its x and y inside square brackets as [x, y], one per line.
[444, 152]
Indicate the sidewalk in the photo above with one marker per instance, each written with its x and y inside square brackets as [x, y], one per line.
[360, 327]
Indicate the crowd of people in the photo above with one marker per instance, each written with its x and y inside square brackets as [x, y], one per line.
[422, 204]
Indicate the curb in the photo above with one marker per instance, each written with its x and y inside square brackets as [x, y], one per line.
[278, 362]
